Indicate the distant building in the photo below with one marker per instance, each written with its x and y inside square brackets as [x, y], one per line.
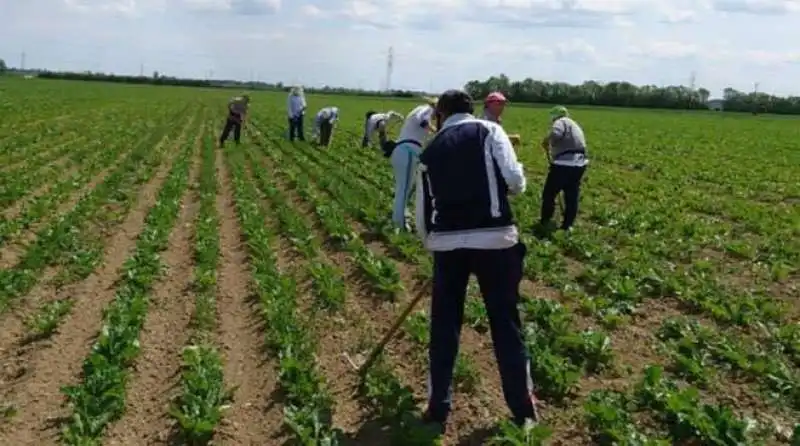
[716, 104]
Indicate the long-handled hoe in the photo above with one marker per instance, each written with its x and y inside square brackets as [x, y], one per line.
[362, 369]
[560, 198]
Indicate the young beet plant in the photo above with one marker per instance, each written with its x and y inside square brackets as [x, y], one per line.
[326, 279]
[100, 397]
[199, 408]
[308, 405]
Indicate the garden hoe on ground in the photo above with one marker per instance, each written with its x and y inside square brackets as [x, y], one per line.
[364, 367]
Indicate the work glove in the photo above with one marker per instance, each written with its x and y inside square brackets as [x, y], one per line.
[515, 139]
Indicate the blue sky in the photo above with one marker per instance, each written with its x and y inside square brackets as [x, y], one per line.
[438, 44]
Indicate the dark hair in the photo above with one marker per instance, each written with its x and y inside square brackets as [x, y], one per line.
[454, 101]
[369, 114]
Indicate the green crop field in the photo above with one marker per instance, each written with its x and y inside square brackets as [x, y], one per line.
[157, 290]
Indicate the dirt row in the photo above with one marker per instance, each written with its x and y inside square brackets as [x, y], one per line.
[634, 346]
[256, 414]
[34, 372]
[14, 249]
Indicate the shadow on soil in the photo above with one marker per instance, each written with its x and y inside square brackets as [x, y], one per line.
[376, 432]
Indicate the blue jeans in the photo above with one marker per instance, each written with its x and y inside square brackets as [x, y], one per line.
[296, 128]
[404, 165]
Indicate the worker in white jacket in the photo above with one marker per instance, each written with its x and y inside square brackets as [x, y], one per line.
[405, 157]
[296, 106]
[323, 125]
[379, 123]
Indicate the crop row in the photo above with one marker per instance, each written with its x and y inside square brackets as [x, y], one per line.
[99, 399]
[199, 408]
[336, 175]
[65, 241]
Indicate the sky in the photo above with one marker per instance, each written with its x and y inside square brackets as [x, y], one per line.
[437, 44]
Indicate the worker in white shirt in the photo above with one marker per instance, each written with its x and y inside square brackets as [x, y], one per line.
[493, 107]
[379, 123]
[405, 157]
[323, 125]
[296, 108]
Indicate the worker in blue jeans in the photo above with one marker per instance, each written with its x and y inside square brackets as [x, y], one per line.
[296, 110]
[464, 218]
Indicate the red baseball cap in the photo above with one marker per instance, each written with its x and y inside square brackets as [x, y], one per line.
[495, 97]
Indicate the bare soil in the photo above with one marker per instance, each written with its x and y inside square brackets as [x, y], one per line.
[256, 415]
[32, 377]
[166, 329]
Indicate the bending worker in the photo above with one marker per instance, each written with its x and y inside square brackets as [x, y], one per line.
[566, 150]
[418, 124]
[464, 217]
[378, 123]
[237, 112]
[297, 109]
[323, 125]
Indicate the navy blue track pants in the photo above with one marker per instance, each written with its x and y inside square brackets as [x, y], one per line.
[499, 273]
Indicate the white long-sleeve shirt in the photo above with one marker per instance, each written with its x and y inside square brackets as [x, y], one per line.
[416, 125]
[498, 147]
[380, 120]
[296, 105]
[330, 114]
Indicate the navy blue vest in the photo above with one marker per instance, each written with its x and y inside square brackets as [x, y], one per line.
[456, 182]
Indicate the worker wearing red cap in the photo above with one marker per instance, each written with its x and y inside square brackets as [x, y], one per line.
[493, 106]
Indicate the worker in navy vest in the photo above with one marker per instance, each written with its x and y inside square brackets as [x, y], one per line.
[465, 219]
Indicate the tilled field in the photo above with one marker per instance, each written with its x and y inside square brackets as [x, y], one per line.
[157, 290]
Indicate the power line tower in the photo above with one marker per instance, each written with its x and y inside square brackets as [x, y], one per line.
[756, 105]
[22, 61]
[693, 80]
[389, 68]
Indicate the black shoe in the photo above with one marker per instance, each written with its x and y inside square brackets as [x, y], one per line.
[533, 418]
[543, 230]
[437, 426]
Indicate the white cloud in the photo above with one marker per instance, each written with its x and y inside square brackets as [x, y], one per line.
[114, 6]
[311, 10]
[207, 5]
[757, 6]
[666, 50]
[437, 44]
[770, 58]
[679, 16]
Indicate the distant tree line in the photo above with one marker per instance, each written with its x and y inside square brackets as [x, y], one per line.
[611, 94]
[625, 94]
[159, 79]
